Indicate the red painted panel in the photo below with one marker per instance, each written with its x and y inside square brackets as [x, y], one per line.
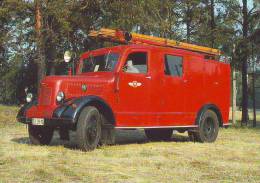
[45, 93]
[172, 96]
[160, 100]
[134, 100]
[195, 89]
[40, 111]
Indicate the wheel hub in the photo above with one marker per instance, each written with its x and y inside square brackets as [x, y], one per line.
[208, 127]
[92, 131]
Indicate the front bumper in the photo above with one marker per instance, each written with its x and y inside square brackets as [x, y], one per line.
[53, 122]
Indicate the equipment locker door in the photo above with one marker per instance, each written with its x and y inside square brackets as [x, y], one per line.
[172, 104]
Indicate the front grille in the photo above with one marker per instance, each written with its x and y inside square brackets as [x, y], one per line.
[45, 95]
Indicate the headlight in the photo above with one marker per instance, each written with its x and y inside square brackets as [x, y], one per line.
[60, 96]
[29, 97]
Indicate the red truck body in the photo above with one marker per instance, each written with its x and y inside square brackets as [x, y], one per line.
[152, 98]
[161, 100]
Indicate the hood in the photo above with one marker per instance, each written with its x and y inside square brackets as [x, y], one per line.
[74, 86]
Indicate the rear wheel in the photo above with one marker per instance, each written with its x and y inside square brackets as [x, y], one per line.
[40, 135]
[192, 136]
[158, 134]
[208, 127]
[88, 131]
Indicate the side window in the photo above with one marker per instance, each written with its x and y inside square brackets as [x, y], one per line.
[173, 65]
[136, 62]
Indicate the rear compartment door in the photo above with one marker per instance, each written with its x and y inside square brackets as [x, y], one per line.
[172, 99]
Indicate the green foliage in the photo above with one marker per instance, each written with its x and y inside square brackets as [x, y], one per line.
[65, 25]
[9, 82]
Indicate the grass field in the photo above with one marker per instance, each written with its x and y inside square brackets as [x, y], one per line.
[234, 157]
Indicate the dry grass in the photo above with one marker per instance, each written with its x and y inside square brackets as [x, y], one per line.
[234, 157]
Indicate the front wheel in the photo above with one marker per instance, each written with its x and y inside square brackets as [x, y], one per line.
[158, 134]
[88, 131]
[208, 127]
[40, 135]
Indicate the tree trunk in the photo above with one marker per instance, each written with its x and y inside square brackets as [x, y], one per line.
[212, 22]
[244, 66]
[254, 104]
[188, 22]
[253, 95]
[234, 98]
[40, 61]
[52, 69]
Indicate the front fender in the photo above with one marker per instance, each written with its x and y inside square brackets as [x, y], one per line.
[21, 115]
[71, 110]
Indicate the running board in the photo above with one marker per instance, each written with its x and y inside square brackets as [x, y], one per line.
[144, 127]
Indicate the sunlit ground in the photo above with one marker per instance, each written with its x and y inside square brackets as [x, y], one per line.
[234, 157]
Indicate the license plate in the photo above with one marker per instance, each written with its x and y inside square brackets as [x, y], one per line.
[38, 121]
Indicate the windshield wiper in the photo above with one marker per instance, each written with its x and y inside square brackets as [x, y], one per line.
[91, 61]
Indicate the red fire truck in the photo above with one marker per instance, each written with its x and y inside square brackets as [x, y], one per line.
[146, 82]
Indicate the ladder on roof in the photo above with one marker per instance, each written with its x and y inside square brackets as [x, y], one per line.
[123, 37]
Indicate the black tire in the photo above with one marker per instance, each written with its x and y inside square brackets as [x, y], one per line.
[40, 135]
[163, 134]
[88, 131]
[192, 136]
[208, 127]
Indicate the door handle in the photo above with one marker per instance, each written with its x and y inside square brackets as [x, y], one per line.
[185, 81]
[148, 77]
[117, 84]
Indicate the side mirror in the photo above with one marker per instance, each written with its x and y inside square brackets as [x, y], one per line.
[67, 56]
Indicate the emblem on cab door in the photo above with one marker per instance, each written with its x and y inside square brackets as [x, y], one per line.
[84, 87]
[134, 84]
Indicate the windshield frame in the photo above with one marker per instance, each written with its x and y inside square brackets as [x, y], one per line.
[95, 54]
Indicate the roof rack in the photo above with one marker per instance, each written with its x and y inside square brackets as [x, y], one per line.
[123, 37]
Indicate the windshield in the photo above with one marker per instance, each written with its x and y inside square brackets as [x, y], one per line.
[100, 63]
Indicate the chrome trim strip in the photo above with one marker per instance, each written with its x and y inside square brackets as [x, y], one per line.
[131, 127]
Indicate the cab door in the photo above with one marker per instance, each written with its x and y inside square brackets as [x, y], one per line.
[134, 90]
[172, 112]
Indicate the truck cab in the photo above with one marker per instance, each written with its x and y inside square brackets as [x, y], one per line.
[135, 86]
